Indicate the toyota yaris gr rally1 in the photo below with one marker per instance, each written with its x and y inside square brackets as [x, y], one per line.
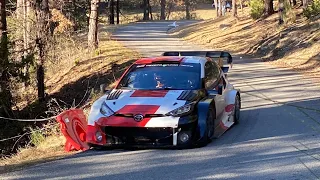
[176, 101]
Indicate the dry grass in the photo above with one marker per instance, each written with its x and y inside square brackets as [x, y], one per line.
[68, 80]
[86, 63]
[224, 33]
[50, 149]
[72, 76]
[205, 14]
[295, 45]
[70, 61]
[71, 83]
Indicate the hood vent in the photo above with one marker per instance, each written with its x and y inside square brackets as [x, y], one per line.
[188, 95]
[114, 95]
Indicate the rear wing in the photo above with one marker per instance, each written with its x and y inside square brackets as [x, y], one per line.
[219, 56]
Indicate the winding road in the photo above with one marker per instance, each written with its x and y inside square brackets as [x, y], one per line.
[278, 136]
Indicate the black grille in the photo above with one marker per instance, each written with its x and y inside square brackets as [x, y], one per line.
[138, 135]
[114, 95]
[130, 115]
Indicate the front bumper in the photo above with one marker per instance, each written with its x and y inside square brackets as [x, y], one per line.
[139, 136]
[145, 136]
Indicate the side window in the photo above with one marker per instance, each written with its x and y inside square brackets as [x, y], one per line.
[212, 74]
[222, 82]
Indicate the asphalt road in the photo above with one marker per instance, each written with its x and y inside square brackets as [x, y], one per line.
[278, 136]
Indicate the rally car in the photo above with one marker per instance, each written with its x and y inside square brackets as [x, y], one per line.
[179, 99]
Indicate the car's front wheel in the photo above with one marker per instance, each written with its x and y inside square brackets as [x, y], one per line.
[209, 133]
[210, 124]
[237, 107]
[96, 147]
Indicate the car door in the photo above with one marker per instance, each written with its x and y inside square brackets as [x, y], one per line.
[212, 81]
[220, 99]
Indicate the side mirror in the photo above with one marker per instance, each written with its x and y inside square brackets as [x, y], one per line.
[103, 89]
[220, 89]
[228, 56]
[230, 59]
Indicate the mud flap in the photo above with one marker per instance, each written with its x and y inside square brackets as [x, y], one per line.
[73, 125]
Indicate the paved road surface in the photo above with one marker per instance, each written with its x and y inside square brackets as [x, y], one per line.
[278, 137]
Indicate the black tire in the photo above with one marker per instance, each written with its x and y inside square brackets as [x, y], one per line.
[209, 128]
[96, 147]
[210, 124]
[237, 106]
[185, 146]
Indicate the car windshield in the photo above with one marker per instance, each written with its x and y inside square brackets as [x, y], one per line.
[162, 76]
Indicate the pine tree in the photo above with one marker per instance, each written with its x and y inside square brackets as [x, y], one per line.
[5, 94]
[163, 10]
[42, 16]
[93, 25]
[234, 8]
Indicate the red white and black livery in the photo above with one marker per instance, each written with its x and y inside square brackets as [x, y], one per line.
[179, 99]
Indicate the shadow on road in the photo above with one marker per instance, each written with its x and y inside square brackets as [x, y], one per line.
[261, 138]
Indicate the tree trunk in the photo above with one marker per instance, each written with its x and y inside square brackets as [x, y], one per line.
[42, 16]
[111, 15]
[24, 16]
[268, 7]
[20, 20]
[5, 94]
[163, 10]
[20, 8]
[294, 2]
[234, 8]
[304, 4]
[220, 8]
[145, 10]
[187, 3]
[118, 12]
[25, 31]
[150, 11]
[30, 11]
[25, 39]
[170, 6]
[216, 7]
[74, 14]
[281, 11]
[224, 3]
[93, 25]
[241, 5]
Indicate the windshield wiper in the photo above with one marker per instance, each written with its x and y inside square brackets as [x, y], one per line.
[169, 88]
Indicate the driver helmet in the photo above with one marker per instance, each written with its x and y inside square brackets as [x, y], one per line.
[159, 79]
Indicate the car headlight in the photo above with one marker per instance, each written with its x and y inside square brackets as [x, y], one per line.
[106, 110]
[183, 110]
